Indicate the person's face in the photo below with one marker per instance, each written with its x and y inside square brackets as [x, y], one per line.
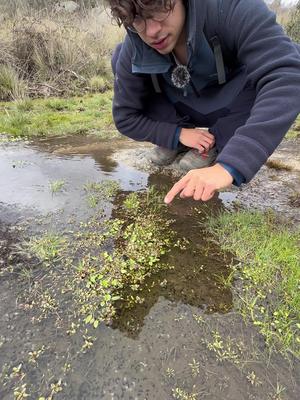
[163, 34]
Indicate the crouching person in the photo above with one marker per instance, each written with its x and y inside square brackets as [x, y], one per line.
[217, 79]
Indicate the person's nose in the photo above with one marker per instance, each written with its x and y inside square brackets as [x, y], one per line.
[152, 28]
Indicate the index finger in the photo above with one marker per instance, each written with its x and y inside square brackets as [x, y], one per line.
[178, 187]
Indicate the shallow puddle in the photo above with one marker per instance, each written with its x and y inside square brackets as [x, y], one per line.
[38, 176]
[183, 340]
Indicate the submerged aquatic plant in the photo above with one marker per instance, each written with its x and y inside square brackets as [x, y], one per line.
[104, 257]
[56, 186]
[100, 191]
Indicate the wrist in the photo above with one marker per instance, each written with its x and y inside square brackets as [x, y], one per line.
[183, 132]
[176, 141]
[227, 177]
[238, 178]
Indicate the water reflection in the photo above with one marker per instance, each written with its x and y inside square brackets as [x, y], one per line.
[28, 170]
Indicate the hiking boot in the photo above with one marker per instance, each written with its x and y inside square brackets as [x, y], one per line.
[161, 156]
[194, 160]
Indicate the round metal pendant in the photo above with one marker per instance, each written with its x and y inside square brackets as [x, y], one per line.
[180, 76]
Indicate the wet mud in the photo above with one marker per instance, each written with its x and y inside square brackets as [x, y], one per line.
[276, 187]
[184, 340]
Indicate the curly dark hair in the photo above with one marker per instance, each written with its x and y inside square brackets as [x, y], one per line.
[124, 11]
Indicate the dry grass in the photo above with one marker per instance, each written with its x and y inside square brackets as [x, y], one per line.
[294, 199]
[57, 53]
[44, 52]
[278, 165]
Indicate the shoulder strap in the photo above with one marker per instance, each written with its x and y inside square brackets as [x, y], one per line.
[219, 59]
[215, 8]
[210, 31]
[155, 83]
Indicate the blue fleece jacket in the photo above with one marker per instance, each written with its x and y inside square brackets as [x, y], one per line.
[257, 53]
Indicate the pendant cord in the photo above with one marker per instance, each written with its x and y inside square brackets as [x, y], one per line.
[175, 59]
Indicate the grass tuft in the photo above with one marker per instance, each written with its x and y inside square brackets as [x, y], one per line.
[99, 84]
[56, 186]
[278, 165]
[12, 87]
[270, 260]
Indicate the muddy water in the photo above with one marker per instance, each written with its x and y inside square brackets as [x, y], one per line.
[28, 172]
[184, 341]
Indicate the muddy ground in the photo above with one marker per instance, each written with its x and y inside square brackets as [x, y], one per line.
[271, 188]
[185, 340]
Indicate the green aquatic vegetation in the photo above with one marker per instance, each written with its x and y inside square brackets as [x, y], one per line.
[152, 199]
[195, 367]
[92, 200]
[34, 355]
[99, 191]
[20, 392]
[105, 261]
[170, 372]
[93, 270]
[90, 114]
[140, 242]
[47, 304]
[225, 348]
[181, 394]
[47, 248]
[253, 379]
[9, 139]
[143, 243]
[140, 248]
[277, 394]
[269, 255]
[105, 189]
[56, 186]
[227, 281]
[132, 203]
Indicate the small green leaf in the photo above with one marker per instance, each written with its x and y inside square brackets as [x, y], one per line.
[89, 319]
[96, 323]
